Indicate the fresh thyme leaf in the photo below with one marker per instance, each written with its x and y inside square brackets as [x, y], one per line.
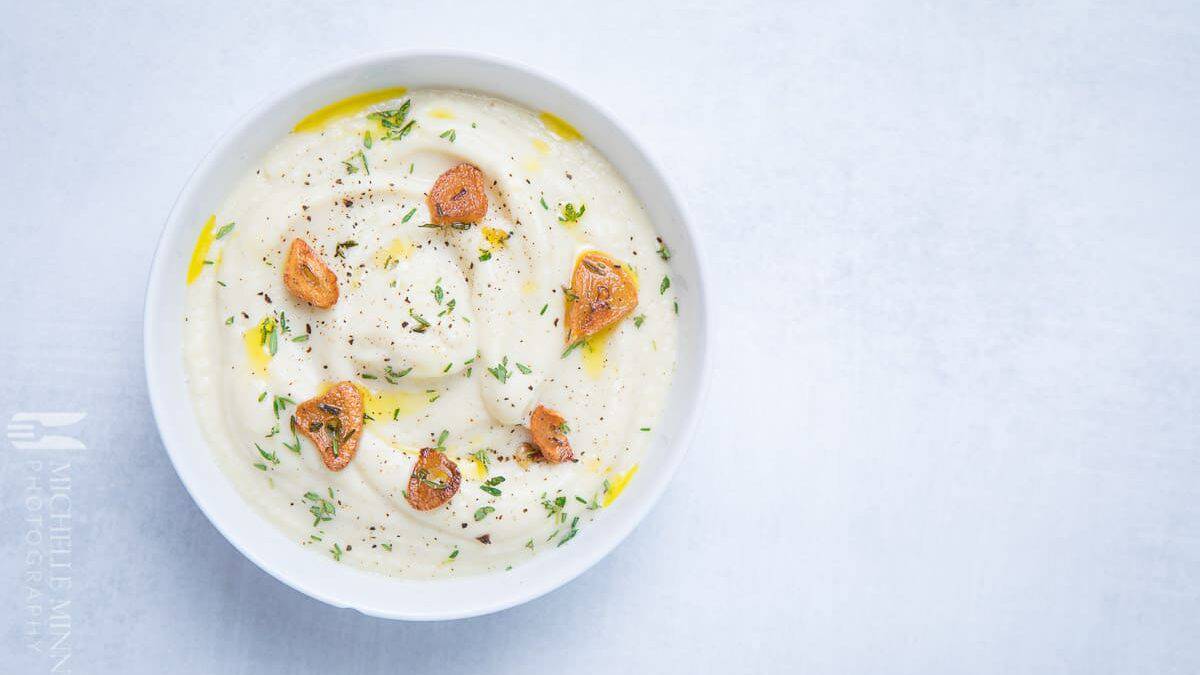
[544, 308]
[300, 338]
[500, 371]
[570, 214]
[225, 229]
[483, 512]
[441, 441]
[438, 293]
[280, 404]
[386, 546]
[666, 283]
[453, 554]
[639, 320]
[554, 508]
[352, 168]
[449, 135]
[524, 368]
[339, 251]
[544, 206]
[323, 510]
[269, 456]
[422, 323]
[495, 492]
[569, 536]
[484, 255]
[229, 321]
[663, 251]
[482, 458]
[294, 446]
[367, 142]
[408, 216]
[393, 122]
[571, 348]
[336, 552]
[392, 375]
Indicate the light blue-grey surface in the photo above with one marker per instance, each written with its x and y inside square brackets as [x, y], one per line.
[955, 417]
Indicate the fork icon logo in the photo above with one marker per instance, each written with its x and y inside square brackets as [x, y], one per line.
[30, 431]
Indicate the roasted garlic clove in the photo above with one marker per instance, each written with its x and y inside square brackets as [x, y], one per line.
[458, 196]
[333, 421]
[308, 278]
[433, 482]
[603, 291]
[549, 431]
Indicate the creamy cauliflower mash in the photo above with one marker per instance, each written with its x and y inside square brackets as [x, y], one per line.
[430, 333]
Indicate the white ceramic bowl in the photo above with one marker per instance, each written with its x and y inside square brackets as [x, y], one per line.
[318, 576]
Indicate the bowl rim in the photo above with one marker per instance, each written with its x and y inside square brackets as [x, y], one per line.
[224, 145]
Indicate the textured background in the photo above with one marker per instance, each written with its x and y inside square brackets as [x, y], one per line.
[956, 406]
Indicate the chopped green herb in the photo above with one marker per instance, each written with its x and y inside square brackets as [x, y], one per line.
[323, 510]
[422, 324]
[391, 375]
[500, 372]
[339, 251]
[483, 512]
[269, 456]
[408, 216]
[524, 368]
[393, 121]
[229, 321]
[570, 214]
[484, 255]
[225, 229]
[449, 135]
[336, 552]
[544, 308]
[554, 508]
[663, 251]
[666, 283]
[572, 348]
[481, 456]
[544, 206]
[280, 404]
[386, 546]
[639, 320]
[367, 139]
[569, 536]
